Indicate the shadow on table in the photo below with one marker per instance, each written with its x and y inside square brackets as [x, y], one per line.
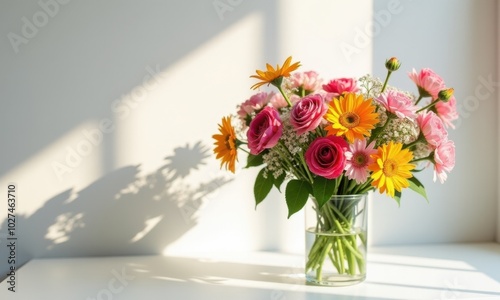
[287, 282]
[201, 277]
[121, 213]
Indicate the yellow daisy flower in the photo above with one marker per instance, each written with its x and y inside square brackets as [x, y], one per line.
[226, 144]
[274, 76]
[352, 116]
[391, 168]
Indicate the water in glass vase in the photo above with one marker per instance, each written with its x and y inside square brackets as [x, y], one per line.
[335, 259]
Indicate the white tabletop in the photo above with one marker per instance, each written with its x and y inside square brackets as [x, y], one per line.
[449, 271]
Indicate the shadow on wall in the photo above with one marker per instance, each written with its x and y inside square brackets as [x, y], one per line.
[119, 214]
[73, 69]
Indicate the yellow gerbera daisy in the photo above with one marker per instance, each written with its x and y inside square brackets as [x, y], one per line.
[391, 168]
[225, 144]
[352, 116]
[274, 76]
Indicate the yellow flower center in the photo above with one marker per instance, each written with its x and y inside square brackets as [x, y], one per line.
[349, 120]
[390, 167]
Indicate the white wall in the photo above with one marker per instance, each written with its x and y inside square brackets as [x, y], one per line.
[108, 111]
[458, 40]
[498, 123]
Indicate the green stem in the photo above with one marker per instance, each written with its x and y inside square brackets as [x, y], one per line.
[385, 82]
[304, 166]
[284, 95]
[338, 243]
[428, 106]
[324, 253]
[377, 131]
[285, 157]
[419, 98]
[422, 159]
[333, 259]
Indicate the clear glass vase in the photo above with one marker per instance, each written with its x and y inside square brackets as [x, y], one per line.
[336, 240]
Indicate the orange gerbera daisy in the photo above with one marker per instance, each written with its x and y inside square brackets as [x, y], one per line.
[274, 76]
[226, 144]
[352, 116]
[391, 168]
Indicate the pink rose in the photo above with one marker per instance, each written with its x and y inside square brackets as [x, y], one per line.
[264, 130]
[444, 160]
[429, 83]
[325, 156]
[432, 127]
[337, 87]
[398, 103]
[447, 111]
[309, 81]
[255, 103]
[308, 113]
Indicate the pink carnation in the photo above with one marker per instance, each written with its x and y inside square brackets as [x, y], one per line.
[278, 101]
[309, 81]
[428, 82]
[325, 156]
[264, 130]
[337, 87]
[447, 111]
[255, 103]
[432, 127]
[307, 113]
[444, 160]
[398, 103]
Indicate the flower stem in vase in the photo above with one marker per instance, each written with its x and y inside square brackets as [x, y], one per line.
[338, 246]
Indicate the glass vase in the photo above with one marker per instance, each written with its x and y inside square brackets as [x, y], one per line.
[336, 240]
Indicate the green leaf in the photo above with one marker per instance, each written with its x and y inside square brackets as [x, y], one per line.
[323, 189]
[262, 186]
[418, 187]
[254, 160]
[296, 194]
[278, 181]
[397, 197]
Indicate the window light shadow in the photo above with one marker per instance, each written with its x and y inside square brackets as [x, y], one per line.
[121, 213]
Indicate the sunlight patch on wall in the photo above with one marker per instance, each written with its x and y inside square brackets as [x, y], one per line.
[148, 225]
[341, 45]
[190, 97]
[71, 162]
[188, 113]
[60, 231]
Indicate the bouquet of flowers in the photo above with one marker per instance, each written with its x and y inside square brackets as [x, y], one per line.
[345, 136]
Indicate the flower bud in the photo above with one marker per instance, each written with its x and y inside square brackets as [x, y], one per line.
[392, 64]
[445, 95]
